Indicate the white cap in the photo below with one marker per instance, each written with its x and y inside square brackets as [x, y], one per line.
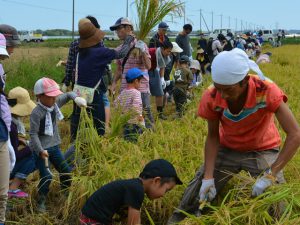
[195, 65]
[176, 48]
[3, 50]
[230, 67]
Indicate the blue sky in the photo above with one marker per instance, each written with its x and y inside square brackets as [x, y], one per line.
[51, 14]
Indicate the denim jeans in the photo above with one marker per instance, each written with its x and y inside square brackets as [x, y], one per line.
[98, 113]
[132, 132]
[23, 168]
[57, 159]
[149, 120]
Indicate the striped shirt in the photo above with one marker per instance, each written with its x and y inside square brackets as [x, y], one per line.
[130, 101]
[134, 61]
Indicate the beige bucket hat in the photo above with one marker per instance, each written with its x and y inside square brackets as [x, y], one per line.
[23, 105]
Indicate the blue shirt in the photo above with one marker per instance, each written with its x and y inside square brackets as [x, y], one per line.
[91, 64]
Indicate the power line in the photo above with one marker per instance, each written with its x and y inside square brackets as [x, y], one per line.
[51, 9]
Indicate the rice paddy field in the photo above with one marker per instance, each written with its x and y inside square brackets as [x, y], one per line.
[181, 141]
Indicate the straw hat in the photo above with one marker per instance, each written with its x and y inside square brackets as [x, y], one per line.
[200, 51]
[195, 65]
[89, 34]
[24, 105]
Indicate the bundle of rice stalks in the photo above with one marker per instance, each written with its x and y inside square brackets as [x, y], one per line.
[151, 12]
[280, 204]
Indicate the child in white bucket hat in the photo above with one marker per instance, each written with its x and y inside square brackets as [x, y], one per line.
[20, 106]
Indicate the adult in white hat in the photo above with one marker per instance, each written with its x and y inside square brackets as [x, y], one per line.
[242, 135]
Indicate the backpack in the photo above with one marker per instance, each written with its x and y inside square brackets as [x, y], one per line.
[209, 49]
[239, 45]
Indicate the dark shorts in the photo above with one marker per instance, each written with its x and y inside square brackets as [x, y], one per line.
[155, 84]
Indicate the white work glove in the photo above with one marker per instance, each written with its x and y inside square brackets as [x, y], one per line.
[12, 155]
[262, 184]
[207, 191]
[140, 45]
[81, 102]
[163, 82]
[64, 88]
[60, 62]
[168, 82]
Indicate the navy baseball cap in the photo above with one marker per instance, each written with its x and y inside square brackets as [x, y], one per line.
[163, 25]
[184, 58]
[160, 168]
[133, 73]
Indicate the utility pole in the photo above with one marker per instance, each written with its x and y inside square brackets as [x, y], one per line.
[229, 22]
[235, 24]
[184, 14]
[73, 13]
[126, 8]
[221, 21]
[212, 21]
[241, 25]
[200, 20]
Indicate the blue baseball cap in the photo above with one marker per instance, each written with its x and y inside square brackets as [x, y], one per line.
[163, 25]
[134, 73]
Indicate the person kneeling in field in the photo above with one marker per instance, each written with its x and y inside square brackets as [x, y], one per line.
[158, 177]
[242, 135]
[130, 101]
[20, 106]
[44, 135]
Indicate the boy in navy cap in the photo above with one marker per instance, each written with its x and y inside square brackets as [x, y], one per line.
[158, 177]
[160, 37]
[130, 101]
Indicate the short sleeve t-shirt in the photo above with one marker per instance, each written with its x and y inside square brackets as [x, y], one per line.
[253, 129]
[130, 100]
[112, 197]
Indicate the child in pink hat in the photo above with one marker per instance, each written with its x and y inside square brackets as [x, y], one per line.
[44, 135]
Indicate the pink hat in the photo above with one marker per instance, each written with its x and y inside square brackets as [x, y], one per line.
[3, 46]
[47, 87]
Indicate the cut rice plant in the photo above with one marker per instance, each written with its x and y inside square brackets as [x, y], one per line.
[150, 13]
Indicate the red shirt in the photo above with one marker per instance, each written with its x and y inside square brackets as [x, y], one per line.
[253, 129]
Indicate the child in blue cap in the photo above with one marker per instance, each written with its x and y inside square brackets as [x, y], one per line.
[130, 101]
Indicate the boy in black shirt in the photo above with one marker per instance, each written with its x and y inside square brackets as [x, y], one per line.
[158, 177]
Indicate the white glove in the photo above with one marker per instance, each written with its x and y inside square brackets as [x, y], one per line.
[81, 102]
[207, 191]
[168, 82]
[140, 45]
[12, 155]
[163, 82]
[60, 62]
[262, 184]
[64, 88]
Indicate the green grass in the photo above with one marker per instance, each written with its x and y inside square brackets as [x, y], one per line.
[181, 141]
